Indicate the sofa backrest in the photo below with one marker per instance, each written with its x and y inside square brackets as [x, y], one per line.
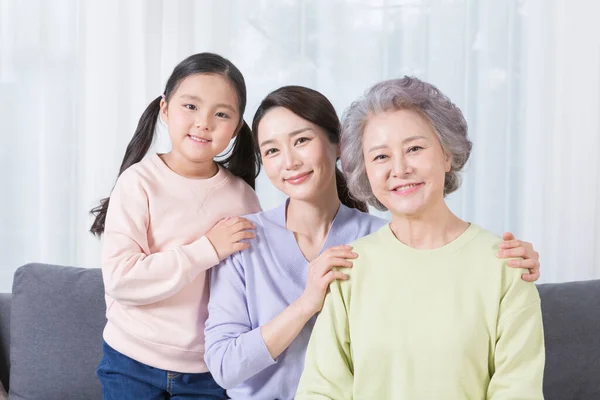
[5, 300]
[57, 318]
[571, 313]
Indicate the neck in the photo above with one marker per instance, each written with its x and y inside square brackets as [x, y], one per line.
[313, 218]
[428, 230]
[190, 169]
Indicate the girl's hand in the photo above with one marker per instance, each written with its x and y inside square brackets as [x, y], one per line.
[320, 275]
[517, 248]
[227, 234]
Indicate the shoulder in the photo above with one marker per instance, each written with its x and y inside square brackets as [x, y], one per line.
[485, 246]
[366, 221]
[373, 240]
[139, 175]
[237, 187]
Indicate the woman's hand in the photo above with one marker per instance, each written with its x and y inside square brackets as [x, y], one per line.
[512, 247]
[321, 274]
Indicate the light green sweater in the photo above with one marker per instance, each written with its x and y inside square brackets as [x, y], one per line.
[443, 324]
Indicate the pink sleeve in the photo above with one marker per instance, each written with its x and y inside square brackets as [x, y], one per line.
[131, 274]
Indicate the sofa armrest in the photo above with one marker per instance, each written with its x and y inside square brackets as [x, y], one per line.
[5, 302]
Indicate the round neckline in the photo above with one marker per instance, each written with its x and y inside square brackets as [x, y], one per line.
[465, 237]
[221, 174]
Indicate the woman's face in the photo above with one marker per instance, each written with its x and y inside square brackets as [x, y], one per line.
[296, 154]
[405, 162]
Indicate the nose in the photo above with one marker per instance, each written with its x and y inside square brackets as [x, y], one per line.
[290, 159]
[203, 122]
[401, 166]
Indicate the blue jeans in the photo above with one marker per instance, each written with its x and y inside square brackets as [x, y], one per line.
[123, 378]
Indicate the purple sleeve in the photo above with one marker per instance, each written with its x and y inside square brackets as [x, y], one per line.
[234, 350]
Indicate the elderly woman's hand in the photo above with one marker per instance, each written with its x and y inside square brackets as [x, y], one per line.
[512, 247]
[321, 274]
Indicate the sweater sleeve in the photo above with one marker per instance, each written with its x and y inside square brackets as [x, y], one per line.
[328, 369]
[235, 351]
[131, 274]
[519, 355]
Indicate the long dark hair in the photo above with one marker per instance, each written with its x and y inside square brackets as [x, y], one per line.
[316, 108]
[242, 160]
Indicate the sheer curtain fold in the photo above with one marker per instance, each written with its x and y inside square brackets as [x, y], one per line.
[76, 75]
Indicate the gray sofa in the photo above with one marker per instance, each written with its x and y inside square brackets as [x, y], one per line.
[51, 325]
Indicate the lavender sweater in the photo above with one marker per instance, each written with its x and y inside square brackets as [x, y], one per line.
[249, 289]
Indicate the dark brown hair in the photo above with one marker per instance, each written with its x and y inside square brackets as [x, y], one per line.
[316, 108]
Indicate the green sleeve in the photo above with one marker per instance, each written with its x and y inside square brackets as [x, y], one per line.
[328, 370]
[519, 355]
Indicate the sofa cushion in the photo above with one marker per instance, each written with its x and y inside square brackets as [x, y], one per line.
[57, 318]
[571, 313]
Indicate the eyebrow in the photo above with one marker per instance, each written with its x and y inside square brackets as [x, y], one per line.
[291, 134]
[199, 100]
[408, 139]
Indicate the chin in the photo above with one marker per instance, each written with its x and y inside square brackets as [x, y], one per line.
[302, 194]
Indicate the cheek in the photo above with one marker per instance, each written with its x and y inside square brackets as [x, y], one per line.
[377, 176]
[271, 167]
[322, 156]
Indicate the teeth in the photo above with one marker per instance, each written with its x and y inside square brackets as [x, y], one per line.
[412, 185]
[197, 139]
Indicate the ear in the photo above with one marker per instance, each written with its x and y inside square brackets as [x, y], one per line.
[164, 115]
[448, 163]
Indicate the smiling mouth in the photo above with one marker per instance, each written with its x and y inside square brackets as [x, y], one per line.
[298, 178]
[407, 189]
[199, 139]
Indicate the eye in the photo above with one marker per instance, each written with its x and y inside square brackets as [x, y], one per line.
[222, 115]
[190, 107]
[380, 157]
[301, 140]
[413, 149]
[271, 152]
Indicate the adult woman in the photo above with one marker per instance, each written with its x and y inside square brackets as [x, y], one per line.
[263, 300]
[429, 312]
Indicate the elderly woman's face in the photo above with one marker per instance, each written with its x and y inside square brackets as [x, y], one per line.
[405, 162]
[296, 154]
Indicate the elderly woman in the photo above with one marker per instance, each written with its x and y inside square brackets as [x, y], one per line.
[429, 311]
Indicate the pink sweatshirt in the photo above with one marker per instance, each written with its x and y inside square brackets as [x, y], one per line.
[155, 259]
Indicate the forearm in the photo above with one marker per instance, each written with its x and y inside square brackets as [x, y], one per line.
[135, 278]
[281, 331]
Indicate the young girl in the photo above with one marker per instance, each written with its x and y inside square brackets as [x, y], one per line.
[166, 223]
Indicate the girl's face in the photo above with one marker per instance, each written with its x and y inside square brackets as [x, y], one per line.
[405, 162]
[202, 116]
[297, 155]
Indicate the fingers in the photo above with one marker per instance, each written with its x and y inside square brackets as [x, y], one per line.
[508, 236]
[239, 246]
[333, 275]
[510, 244]
[242, 226]
[516, 252]
[236, 237]
[527, 263]
[231, 221]
[531, 277]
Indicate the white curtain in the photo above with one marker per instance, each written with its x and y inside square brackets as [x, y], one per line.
[76, 75]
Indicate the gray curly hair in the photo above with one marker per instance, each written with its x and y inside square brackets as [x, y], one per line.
[408, 93]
